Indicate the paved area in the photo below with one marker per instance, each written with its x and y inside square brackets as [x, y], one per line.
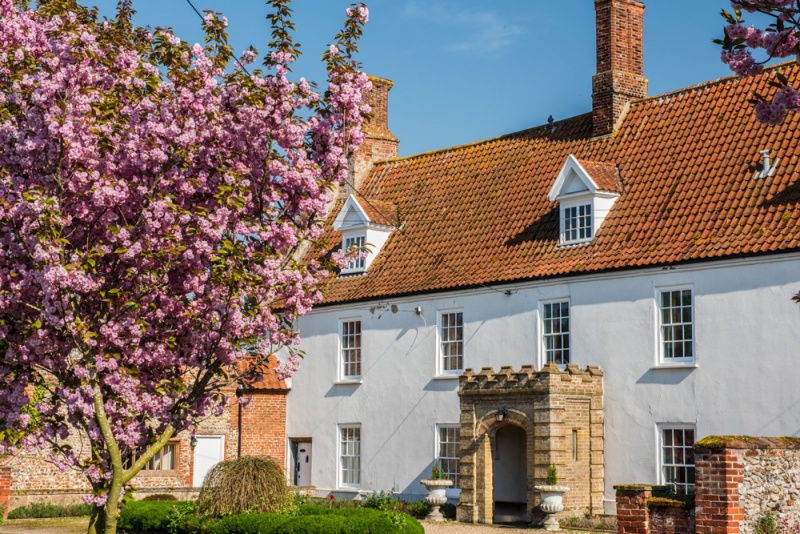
[453, 527]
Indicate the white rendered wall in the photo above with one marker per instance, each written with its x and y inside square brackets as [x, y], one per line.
[746, 379]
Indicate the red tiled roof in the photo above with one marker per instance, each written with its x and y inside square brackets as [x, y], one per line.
[603, 174]
[479, 214]
[379, 212]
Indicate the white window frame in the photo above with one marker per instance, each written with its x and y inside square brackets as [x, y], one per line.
[358, 264]
[438, 452]
[663, 340]
[678, 459]
[577, 205]
[440, 343]
[343, 377]
[543, 329]
[342, 448]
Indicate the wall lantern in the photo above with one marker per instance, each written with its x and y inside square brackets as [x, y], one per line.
[193, 442]
[502, 414]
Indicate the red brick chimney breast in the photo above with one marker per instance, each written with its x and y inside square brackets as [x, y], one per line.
[620, 62]
[379, 144]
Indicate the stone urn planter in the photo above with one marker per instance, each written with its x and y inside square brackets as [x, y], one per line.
[437, 496]
[552, 503]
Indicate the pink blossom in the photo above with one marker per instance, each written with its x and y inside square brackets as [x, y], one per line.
[127, 276]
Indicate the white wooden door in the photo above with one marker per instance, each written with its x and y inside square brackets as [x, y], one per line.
[210, 450]
[304, 463]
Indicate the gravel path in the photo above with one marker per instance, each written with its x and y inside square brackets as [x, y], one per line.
[454, 527]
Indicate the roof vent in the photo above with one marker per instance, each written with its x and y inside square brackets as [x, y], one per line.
[766, 167]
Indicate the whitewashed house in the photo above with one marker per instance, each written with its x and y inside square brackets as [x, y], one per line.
[656, 238]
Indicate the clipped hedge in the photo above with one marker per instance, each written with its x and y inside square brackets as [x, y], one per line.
[317, 520]
[161, 517]
[149, 516]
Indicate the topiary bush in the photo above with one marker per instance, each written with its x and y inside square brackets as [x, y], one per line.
[254, 484]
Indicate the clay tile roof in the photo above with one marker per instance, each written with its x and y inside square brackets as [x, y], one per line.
[269, 379]
[479, 214]
[378, 211]
[603, 174]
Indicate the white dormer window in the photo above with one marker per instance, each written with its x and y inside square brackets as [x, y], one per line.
[577, 221]
[585, 192]
[365, 229]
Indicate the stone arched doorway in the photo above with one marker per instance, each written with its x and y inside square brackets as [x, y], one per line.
[559, 416]
[509, 474]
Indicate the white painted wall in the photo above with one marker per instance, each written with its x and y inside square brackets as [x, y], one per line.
[746, 380]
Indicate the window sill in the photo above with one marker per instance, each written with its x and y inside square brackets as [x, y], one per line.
[567, 244]
[157, 473]
[349, 382]
[348, 489]
[674, 366]
[447, 377]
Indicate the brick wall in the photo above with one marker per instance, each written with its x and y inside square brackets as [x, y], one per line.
[264, 425]
[379, 143]
[620, 62]
[641, 509]
[738, 480]
[5, 489]
[35, 479]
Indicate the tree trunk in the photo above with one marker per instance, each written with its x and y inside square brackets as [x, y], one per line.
[112, 505]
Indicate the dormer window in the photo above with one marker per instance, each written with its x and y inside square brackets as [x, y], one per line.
[577, 222]
[585, 191]
[365, 228]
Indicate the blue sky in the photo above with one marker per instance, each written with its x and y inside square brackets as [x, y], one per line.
[466, 70]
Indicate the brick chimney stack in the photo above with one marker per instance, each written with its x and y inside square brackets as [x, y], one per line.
[620, 66]
[379, 143]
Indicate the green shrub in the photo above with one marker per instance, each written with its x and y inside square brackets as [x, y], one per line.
[552, 476]
[448, 510]
[767, 524]
[419, 509]
[160, 497]
[167, 518]
[334, 503]
[436, 471]
[45, 510]
[253, 484]
[148, 515]
[383, 501]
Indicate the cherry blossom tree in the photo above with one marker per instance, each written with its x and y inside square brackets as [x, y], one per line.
[778, 39]
[152, 197]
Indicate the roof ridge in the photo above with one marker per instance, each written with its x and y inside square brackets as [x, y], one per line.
[707, 83]
[480, 142]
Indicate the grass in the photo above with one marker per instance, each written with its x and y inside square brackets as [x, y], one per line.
[59, 525]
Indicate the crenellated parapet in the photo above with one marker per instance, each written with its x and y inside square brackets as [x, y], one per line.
[548, 378]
